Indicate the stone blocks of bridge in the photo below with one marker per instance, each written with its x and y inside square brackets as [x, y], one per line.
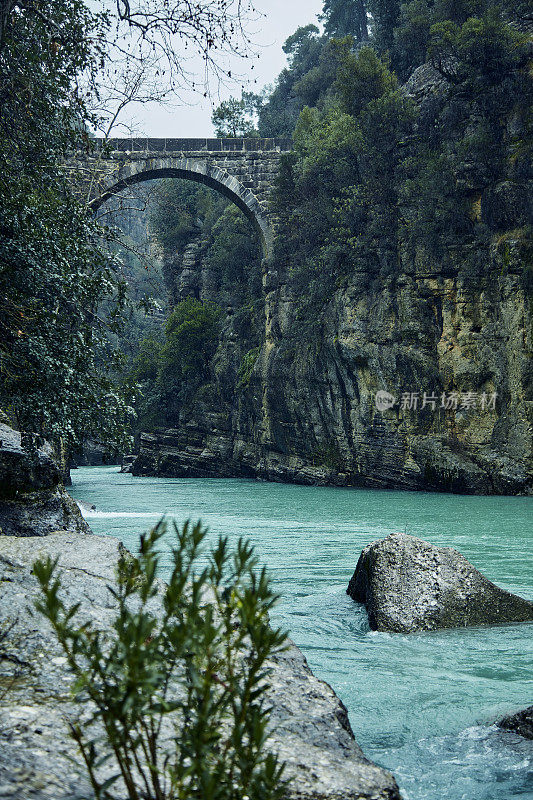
[237, 168]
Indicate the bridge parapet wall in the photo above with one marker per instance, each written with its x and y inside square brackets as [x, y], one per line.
[148, 145]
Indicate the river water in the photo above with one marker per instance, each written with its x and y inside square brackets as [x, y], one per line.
[422, 705]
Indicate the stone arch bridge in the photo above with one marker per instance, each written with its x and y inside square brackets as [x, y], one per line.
[244, 170]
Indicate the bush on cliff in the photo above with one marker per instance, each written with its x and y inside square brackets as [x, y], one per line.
[168, 369]
[187, 663]
[376, 179]
[191, 334]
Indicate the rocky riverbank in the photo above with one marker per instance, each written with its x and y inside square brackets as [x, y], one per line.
[33, 500]
[38, 760]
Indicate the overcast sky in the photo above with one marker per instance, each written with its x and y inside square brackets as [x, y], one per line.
[193, 118]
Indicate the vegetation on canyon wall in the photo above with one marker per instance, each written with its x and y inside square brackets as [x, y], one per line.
[372, 181]
[376, 182]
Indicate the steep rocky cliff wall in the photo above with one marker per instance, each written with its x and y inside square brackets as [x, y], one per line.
[292, 395]
[307, 412]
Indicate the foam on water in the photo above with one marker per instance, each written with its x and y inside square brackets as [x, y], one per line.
[422, 705]
[90, 514]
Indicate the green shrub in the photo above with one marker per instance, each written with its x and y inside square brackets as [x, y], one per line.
[191, 335]
[192, 652]
[246, 368]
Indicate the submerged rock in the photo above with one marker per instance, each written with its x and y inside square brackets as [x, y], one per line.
[521, 723]
[33, 500]
[410, 585]
[310, 725]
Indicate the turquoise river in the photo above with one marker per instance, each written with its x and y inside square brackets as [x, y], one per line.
[422, 705]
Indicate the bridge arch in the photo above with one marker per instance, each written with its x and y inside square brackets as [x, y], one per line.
[189, 169]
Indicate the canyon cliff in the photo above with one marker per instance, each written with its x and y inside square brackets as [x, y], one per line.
[291, 393]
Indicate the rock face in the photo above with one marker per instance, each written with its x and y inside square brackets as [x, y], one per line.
[94, 454]
[311, 729]
[409, 585]
[449, 339]
[127, 463]
[307, 413]
[33, 500]
[521, 723]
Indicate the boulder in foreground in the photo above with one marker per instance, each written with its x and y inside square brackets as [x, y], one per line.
[520, 723]
[39, 760]
[409, 585]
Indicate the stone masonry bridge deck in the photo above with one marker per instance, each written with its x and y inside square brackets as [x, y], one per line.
[244, 170]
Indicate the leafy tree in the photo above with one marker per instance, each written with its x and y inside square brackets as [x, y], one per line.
[345, 179]
[385, 16]
[53, 270]
[168, 370]
[316, 88]
[201, 663]
[191, 334]
[361, 78]
[147, 363]
[405, 29]
[234, 254]
[299, 47]
[278, 116]
[479, 53]
[235, 118]
[411, 36]
[346, 18]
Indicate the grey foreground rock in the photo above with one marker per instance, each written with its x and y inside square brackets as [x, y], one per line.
[311, 731]
[521, 723]
[409, 585]
[33, 500]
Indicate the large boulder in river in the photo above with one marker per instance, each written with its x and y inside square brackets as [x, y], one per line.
[33, 500]
[410, 585]
[521, 723]
[39, 759]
